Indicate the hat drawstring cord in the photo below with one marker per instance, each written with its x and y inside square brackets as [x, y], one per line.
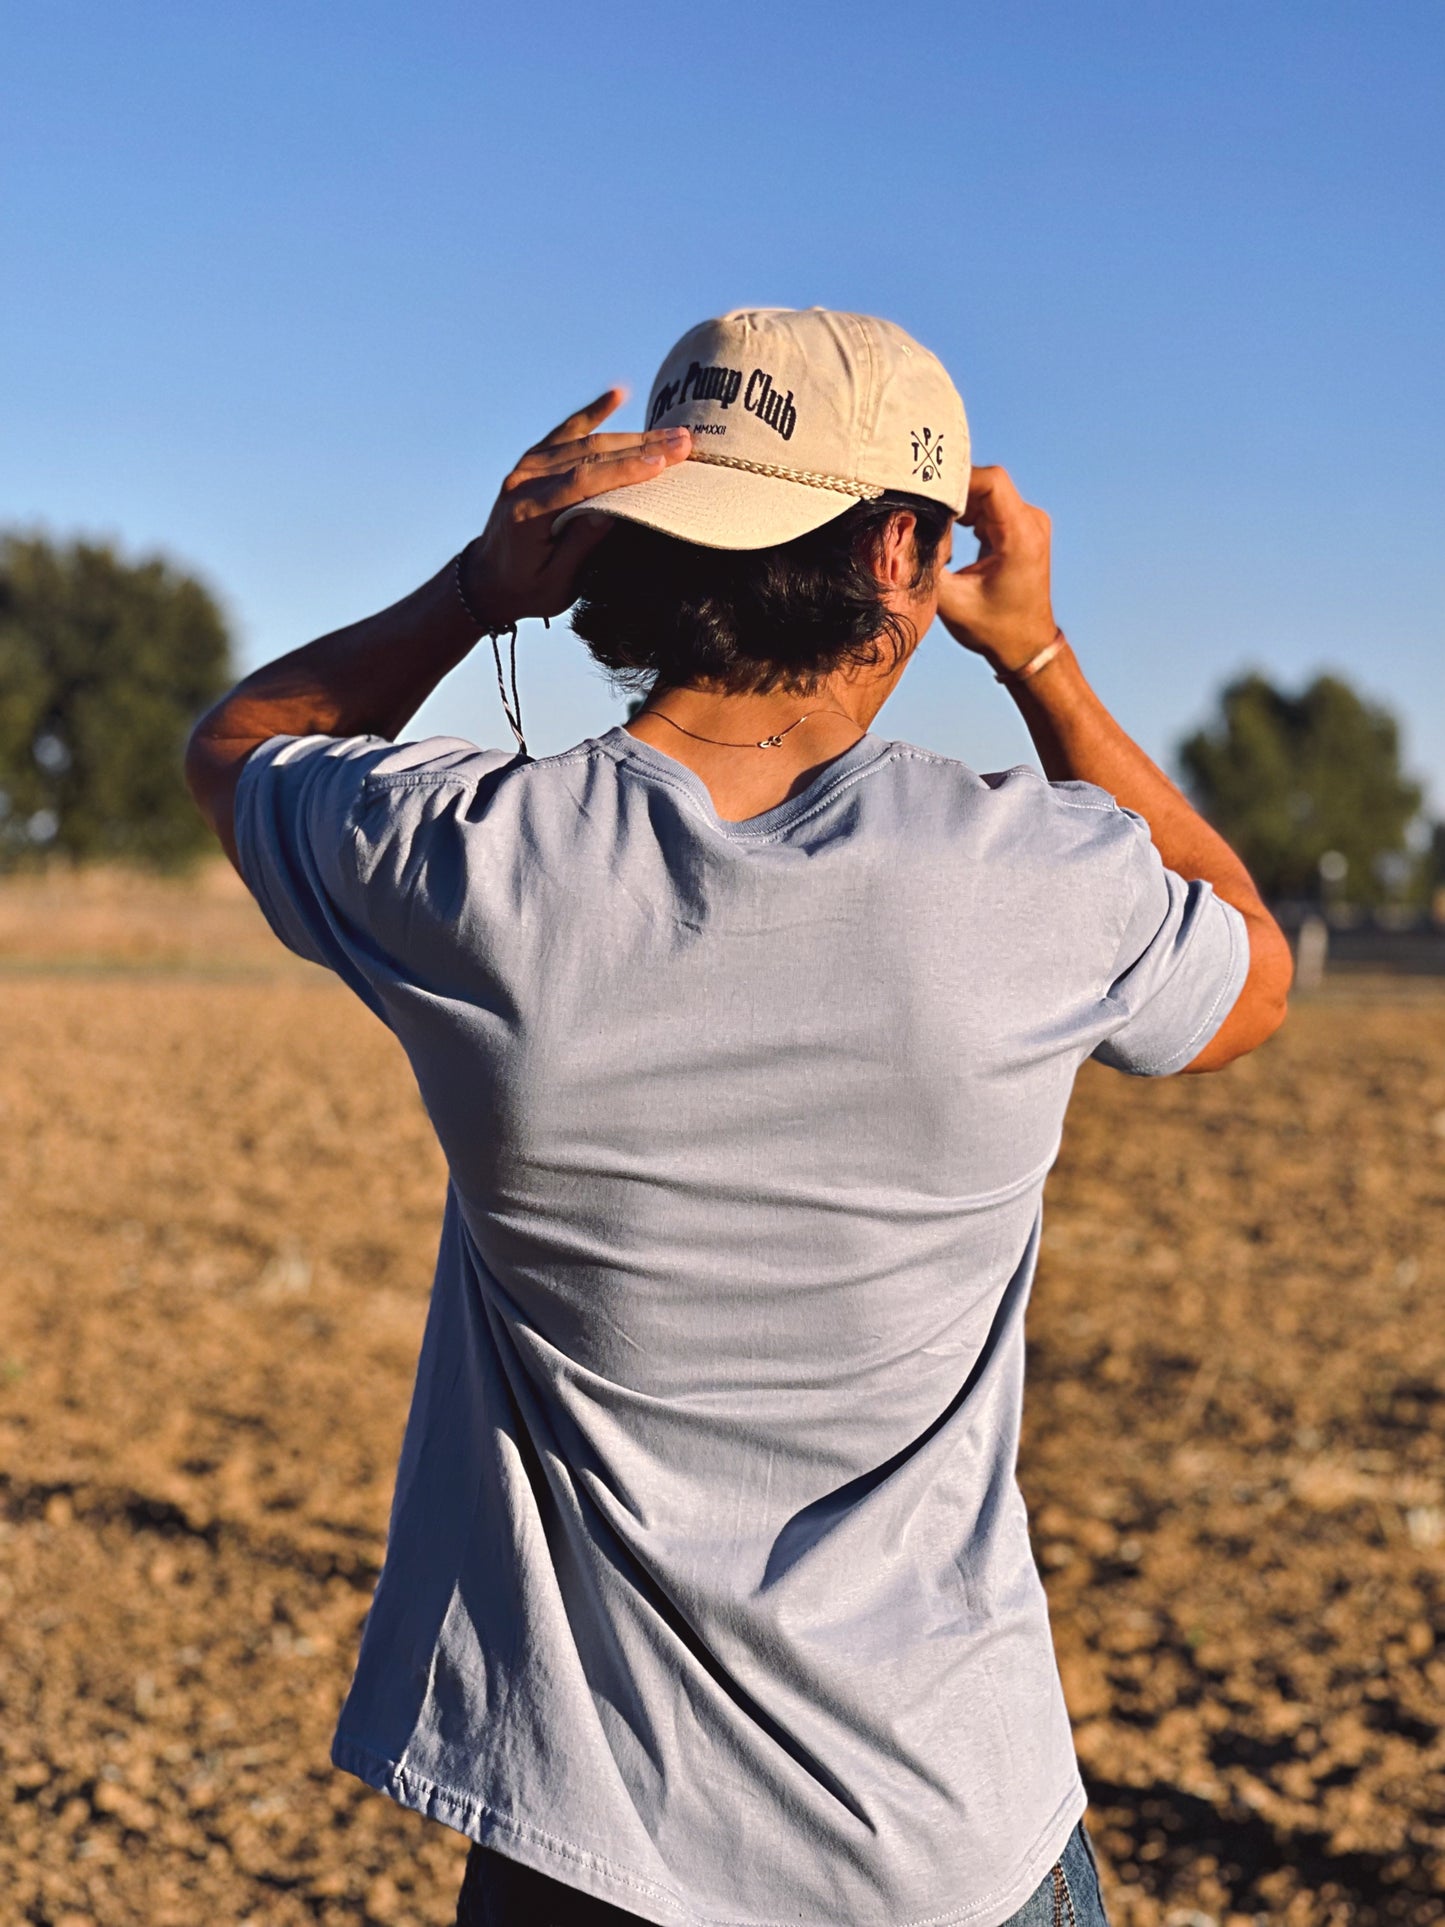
[511, 705]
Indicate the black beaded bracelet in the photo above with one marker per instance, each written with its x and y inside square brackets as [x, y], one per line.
[461, 592]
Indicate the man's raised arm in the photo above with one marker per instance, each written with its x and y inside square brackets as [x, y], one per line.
[371, 678]
[1000, 606]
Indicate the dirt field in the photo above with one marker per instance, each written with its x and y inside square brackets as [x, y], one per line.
[218, 1209]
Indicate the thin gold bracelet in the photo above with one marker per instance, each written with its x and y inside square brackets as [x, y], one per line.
[1034, 663]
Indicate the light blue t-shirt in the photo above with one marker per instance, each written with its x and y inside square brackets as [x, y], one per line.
[708, 1587]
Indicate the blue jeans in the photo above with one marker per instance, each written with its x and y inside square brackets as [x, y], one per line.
[497, 1892]
[1068, 1895]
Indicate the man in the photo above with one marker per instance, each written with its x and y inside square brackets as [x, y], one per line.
[748, 1035]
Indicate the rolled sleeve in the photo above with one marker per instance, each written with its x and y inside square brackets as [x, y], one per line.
[1183, 959]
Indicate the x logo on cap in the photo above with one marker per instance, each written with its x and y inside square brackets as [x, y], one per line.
[927, 453]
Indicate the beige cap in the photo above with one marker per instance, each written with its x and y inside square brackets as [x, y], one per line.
[796, 413]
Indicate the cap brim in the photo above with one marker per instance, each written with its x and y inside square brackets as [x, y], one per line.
[719, 508]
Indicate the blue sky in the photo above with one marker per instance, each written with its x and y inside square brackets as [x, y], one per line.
[288, 286]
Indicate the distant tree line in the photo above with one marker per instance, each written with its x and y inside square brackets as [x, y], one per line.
[105, 663]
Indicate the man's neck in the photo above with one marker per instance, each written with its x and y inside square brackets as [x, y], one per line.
[717, 735]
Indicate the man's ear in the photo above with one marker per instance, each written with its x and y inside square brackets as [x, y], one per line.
[897, 560]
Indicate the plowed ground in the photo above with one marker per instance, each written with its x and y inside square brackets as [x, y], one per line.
[218, 1206]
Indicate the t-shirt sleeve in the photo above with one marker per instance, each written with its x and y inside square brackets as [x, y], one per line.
[1181, 963]
[313, 826]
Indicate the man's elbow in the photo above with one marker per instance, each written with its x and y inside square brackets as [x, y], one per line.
[193, 768]
[1272, 961]
[201, 769]
[211, 767]
[1262, 1005]
[1265, 1016]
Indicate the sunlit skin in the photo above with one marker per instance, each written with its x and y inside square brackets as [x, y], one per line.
[371, 678]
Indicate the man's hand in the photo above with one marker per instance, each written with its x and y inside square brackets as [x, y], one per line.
[999, 605]
[515, 567]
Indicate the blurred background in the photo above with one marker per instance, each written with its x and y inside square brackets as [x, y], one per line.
[287, 289]
[288, 292]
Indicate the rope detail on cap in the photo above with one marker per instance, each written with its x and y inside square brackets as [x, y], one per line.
[810, 477]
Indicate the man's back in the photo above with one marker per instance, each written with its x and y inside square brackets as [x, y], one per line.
[709, 1586]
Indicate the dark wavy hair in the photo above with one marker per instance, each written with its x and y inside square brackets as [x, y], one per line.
[658, 612]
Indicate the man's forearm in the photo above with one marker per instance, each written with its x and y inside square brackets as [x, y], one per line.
[1000, 606]
[1076, 737]
[368, 679]
[371, 678]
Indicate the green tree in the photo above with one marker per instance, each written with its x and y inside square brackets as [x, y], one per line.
[1432, 880]
[104, 665]
[1287, 778]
